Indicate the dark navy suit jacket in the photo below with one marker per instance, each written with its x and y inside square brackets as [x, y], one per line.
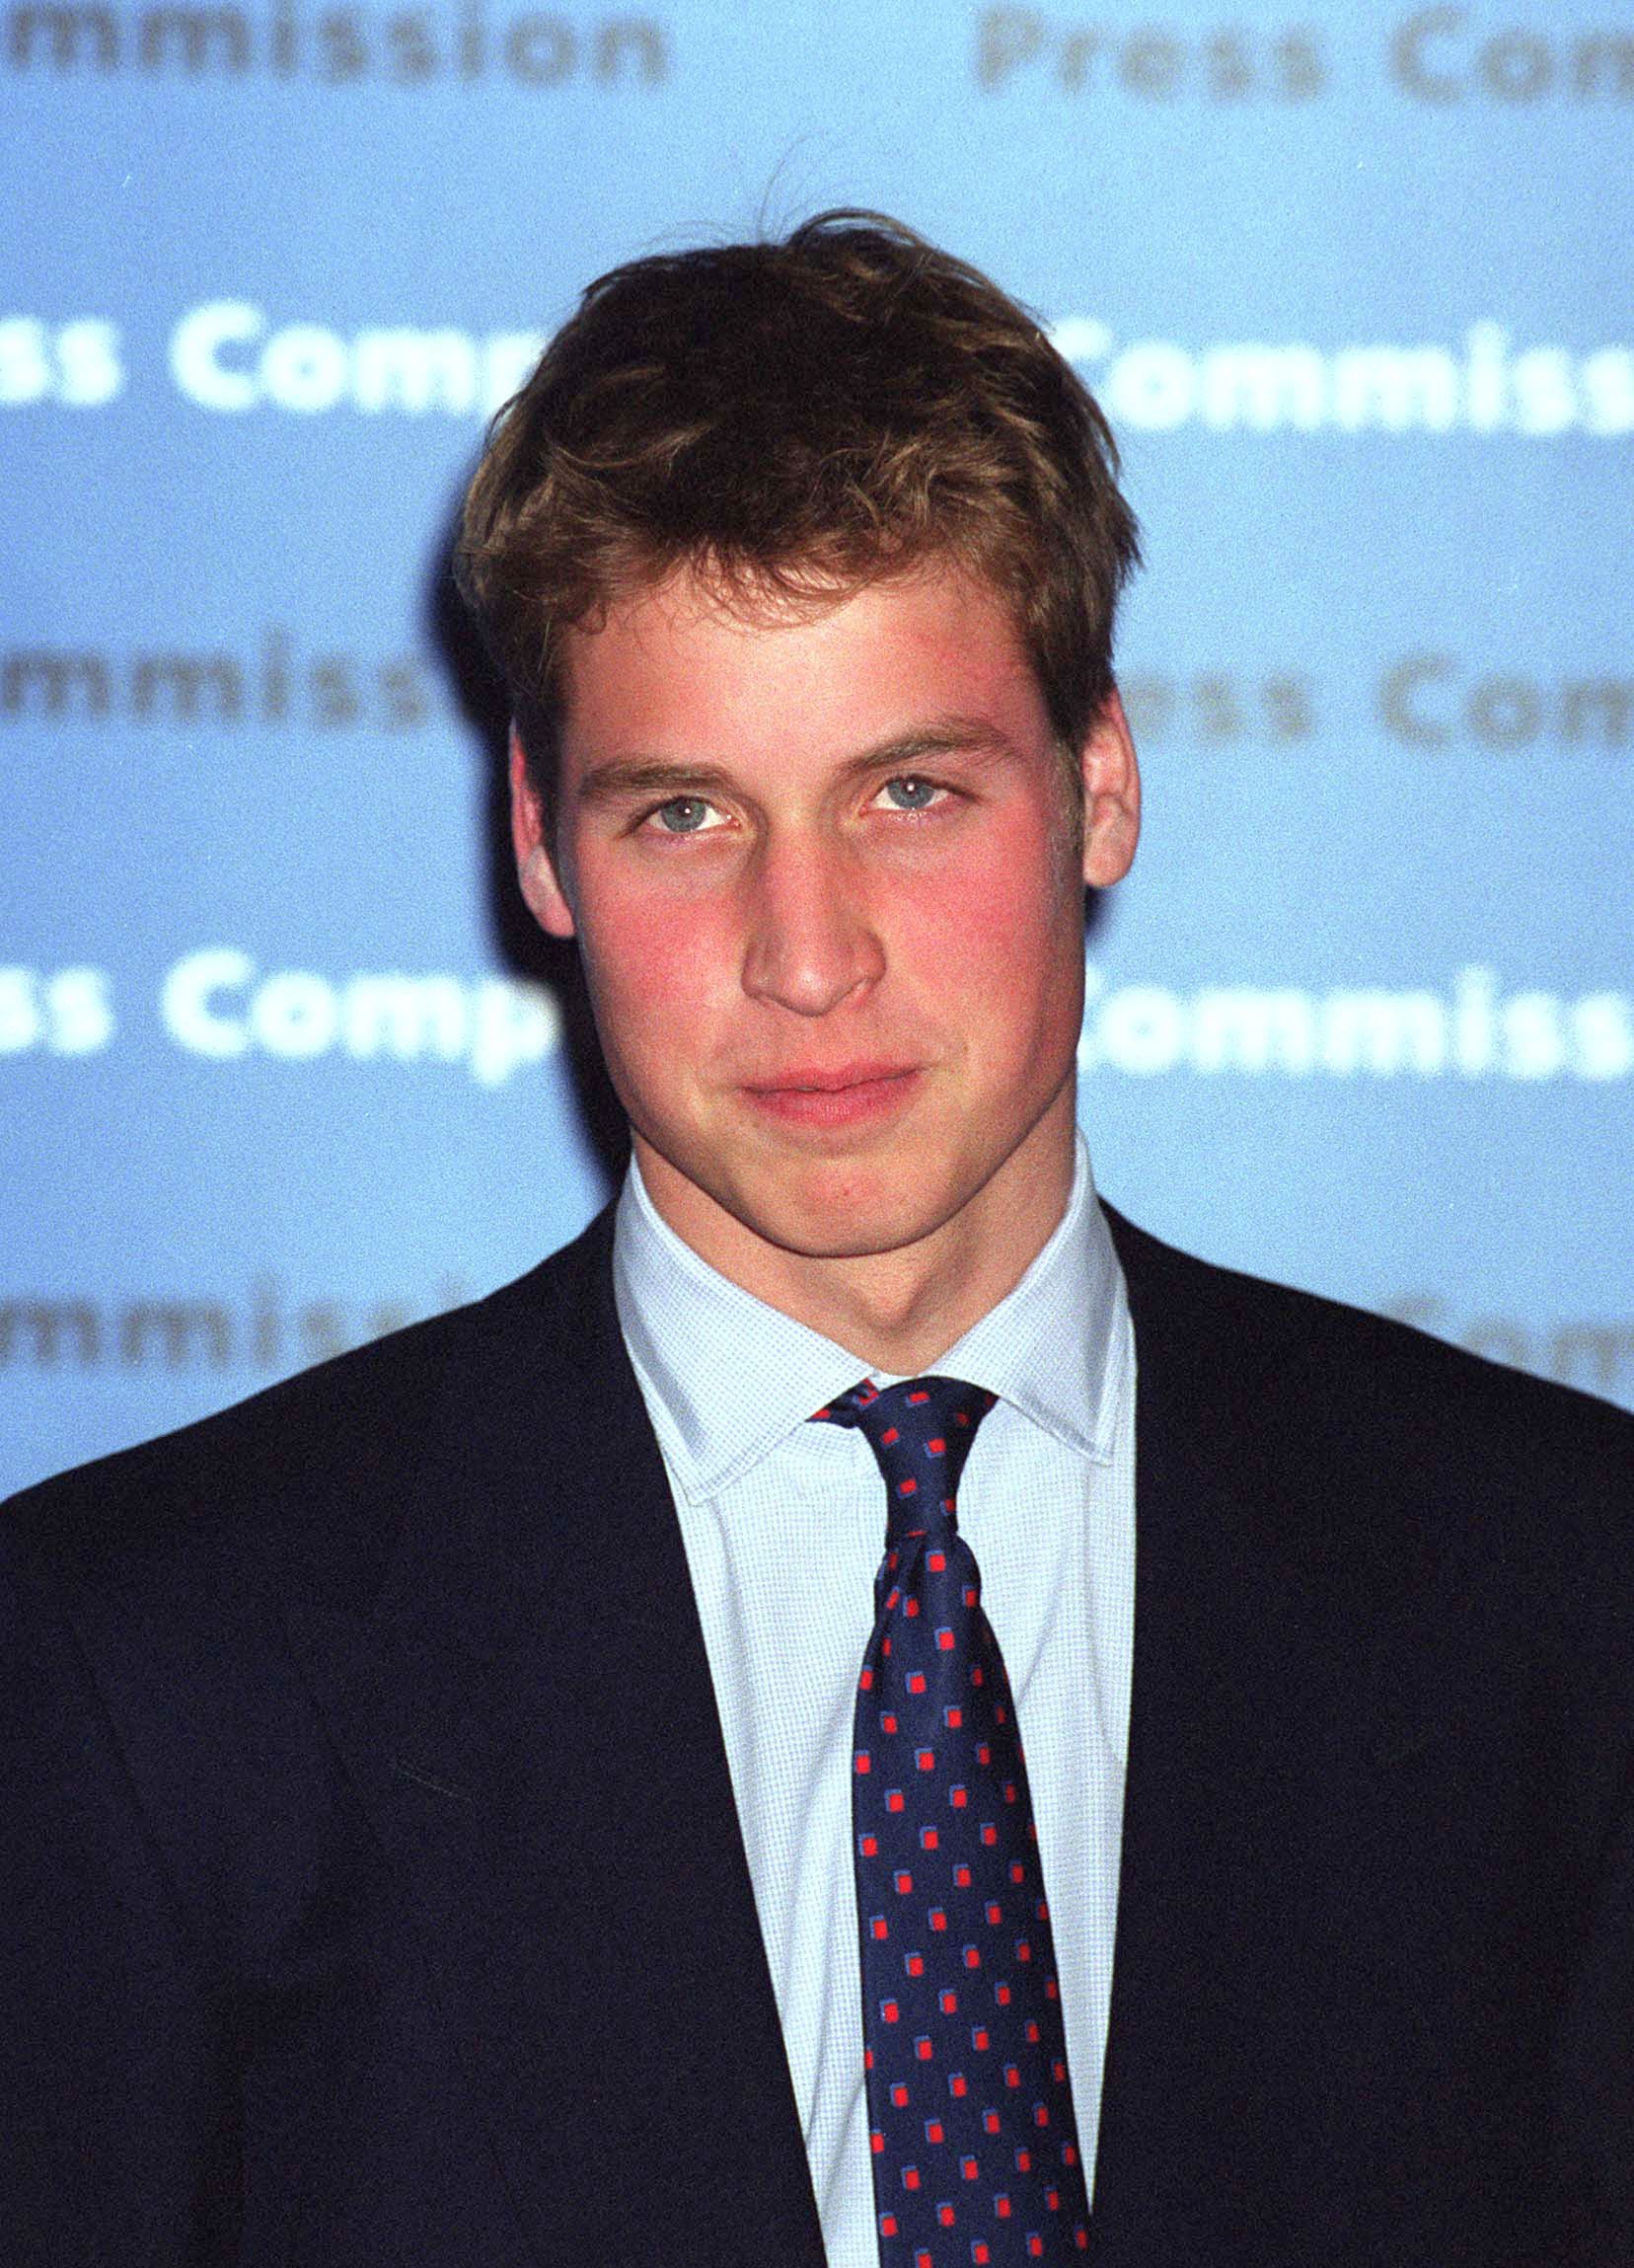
[373, 1891]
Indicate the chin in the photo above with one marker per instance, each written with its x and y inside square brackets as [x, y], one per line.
[840, 1225]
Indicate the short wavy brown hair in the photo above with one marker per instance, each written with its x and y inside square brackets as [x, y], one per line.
[792, 420]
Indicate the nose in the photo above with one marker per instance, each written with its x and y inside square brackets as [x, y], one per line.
[810, 940]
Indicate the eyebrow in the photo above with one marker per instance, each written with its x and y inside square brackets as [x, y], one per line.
[625, 778]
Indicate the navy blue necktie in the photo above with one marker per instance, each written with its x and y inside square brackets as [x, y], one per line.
[970, 2109]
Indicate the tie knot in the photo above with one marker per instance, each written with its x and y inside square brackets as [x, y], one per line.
[920, 1432]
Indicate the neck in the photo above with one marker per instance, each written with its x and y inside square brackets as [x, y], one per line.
[900, 1308]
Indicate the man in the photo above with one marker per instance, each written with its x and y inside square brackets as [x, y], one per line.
[472, 1804]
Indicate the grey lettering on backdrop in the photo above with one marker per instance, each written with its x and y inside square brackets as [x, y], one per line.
[1440, 56]
[336, 47]
[1149, 63]
[1428, 701]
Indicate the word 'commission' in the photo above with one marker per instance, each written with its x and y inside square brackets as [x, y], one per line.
[231, 356]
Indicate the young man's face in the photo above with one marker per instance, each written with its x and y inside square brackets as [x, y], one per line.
[826, 875]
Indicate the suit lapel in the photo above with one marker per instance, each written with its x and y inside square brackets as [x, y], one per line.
[1257, 1785]
[1159, 2117]
[529, 1719]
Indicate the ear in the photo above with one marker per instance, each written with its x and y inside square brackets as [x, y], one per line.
[536, 869]
[1111, 795]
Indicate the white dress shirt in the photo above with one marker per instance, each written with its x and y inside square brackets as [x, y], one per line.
[783, 1523]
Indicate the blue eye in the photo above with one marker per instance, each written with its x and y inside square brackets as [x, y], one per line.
[909, 795]
[682, 814]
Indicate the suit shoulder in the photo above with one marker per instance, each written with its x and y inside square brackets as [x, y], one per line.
[318, 1463]
[1381, 1388]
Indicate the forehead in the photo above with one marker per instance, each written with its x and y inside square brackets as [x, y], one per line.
[680, 657]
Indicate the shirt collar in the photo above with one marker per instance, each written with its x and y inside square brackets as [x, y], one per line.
[728, 1378]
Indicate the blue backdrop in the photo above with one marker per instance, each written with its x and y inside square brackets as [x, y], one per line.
[280, 1068]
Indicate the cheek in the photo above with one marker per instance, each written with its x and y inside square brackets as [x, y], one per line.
[1008, 927]
[1016, 986]
[652, 965]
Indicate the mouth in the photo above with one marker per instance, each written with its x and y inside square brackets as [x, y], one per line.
[845, 1096]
